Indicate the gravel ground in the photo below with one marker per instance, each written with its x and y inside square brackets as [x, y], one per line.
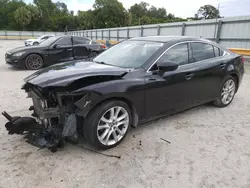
[209, 148]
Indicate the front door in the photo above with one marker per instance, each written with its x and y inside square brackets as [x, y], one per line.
[61, 51]
[173, 90]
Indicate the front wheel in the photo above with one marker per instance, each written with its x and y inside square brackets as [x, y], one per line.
[34, 62]
[107, 125]
[227, 92]
[35, 43]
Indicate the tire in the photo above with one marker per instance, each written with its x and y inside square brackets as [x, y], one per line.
[34, 62]
[93, 54]
[35, 43]
[104, 138]
[228, 90]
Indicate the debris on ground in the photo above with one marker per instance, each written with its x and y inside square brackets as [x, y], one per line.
[166, 141]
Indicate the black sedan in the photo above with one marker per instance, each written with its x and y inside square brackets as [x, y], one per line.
[133, 82]
[53, 50]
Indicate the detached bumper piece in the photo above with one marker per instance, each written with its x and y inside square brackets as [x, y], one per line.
[35, 133]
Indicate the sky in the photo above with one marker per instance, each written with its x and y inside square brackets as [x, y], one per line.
[180, 8]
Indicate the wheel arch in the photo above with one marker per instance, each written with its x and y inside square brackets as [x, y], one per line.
[130, 104]
[236, 77]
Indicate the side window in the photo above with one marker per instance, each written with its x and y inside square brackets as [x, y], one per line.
[202, 51]
[177, 54]
[45, 38]
[221, 52]
[80, 40]
[216, 52]
[64, 41]
[93, 42]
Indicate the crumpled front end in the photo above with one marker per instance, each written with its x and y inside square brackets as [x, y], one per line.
[53, 120]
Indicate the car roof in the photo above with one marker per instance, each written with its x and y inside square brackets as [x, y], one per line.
[166, 39]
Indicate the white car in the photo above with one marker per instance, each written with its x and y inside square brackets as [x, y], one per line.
[37, 41]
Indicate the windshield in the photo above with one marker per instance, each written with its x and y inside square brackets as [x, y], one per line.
[129, 54]
[49, 41]
[39, 38]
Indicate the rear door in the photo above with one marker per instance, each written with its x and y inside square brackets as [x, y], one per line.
[61, 50]
[80, 47]
[209, 70]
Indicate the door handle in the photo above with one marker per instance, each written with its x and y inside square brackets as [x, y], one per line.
[69, 49]
[151, 79]
[189, 76]
[222, 65]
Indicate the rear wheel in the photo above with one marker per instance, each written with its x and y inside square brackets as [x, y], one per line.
[227, 92]
[34, 62]
[93, 54]
[108, 124]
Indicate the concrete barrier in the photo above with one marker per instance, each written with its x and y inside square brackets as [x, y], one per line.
[240, 51]
[108, 43]
[16, 37]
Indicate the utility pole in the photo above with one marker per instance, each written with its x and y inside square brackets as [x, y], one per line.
[216, 21]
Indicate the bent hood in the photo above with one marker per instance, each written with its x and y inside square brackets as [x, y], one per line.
[65, 73]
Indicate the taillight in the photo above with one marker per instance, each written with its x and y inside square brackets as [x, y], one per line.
[242, 59]
[103, 46]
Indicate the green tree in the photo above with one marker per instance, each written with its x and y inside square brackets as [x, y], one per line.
[86, 20]
[138, 11]
[157, 13]
[109, 13]
[7, 10]
[207, 12]
[49, 16]
[23, 16]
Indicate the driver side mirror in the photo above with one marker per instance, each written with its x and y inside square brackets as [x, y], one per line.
[56, 46]
[166, 65]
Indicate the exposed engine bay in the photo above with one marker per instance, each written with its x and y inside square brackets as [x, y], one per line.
[54, 119]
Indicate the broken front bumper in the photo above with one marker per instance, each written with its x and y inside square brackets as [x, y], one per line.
[49, 126]
[35, 132]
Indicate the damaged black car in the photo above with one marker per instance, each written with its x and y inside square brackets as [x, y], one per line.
[133, 82]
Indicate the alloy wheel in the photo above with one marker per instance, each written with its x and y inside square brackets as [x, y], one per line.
[228, 91]
[34, 62]
[93, 55]
[113, 125]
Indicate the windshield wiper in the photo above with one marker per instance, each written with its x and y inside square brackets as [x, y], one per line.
[101, 62]
[104, 63]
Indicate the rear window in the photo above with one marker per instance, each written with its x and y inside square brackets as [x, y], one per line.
[218, 52]
[221, 52]
[80, 40]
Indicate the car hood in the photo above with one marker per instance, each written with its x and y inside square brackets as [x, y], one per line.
[22, 48]
[63, 74]
[31, 40]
